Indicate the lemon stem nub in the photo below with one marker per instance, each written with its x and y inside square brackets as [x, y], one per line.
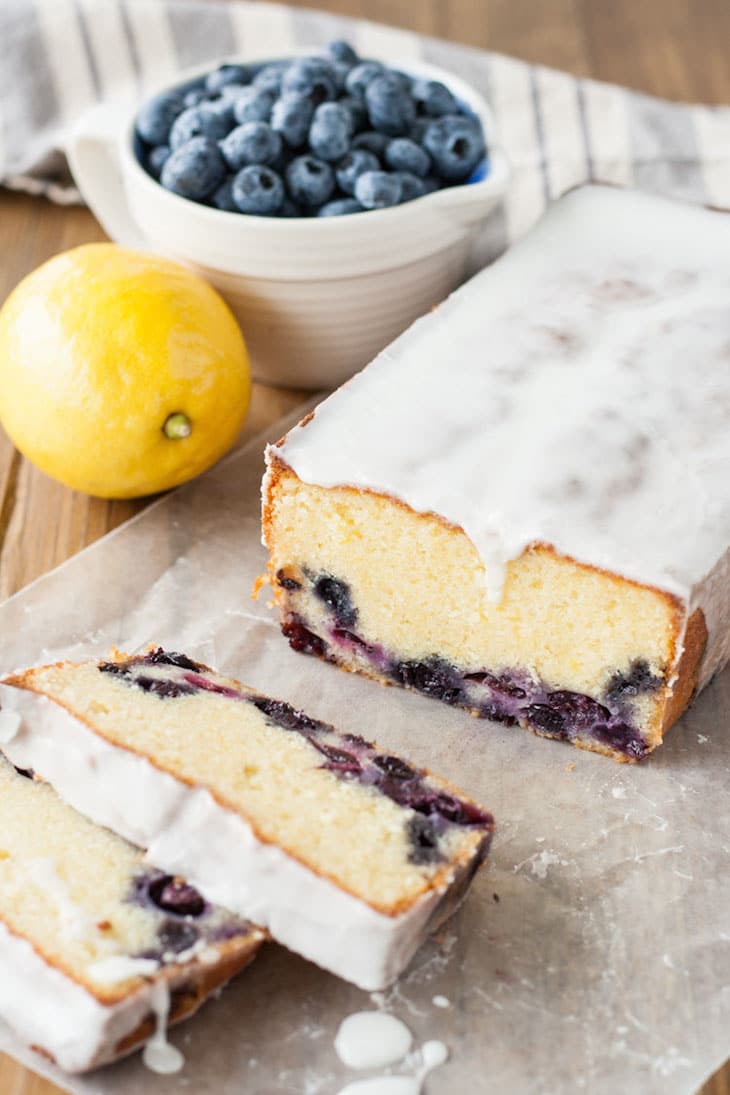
[176, 426]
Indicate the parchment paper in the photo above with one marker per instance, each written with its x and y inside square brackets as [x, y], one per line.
[593, 953]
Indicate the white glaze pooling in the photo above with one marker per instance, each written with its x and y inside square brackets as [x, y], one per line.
[432, 1055]
[372, 1039]
[186, 832]
[577, 392]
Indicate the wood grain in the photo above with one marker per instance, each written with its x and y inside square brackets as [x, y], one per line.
[673, 48]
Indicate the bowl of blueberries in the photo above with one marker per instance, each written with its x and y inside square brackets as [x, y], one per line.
[331, 199]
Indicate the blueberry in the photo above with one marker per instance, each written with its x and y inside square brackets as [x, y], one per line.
[357, 111]
[170, 657]
[340, 73]
[434, 98]
[623, 738]
[291, 117]
[286, 716]
[312, 77]
[166, 690]
[258, 190]
[502, 684]
[176, 896]
[115, 669]
[197, 121]
[394, 767]
[253, 105]
[339, 759]
[230, 92]
[177, 936]
[360, 76]
[156, 159]
[227, 74]
[338, 598]
[431, 183]
[391, 108]
[434, 677]
[372, 142]
[195, 96]
[291, 209]
[352, 166]
[310, 181]
[410, 186]
[155, 119]
[223, 108]
[418, 129]
[302, 639]
[423, 840]
[195, 169]
[342, 51]
[377, 189]
[403, 154]
[638, 678]
[545, 719]
[330, 132]
[456, 145]
[269, 77]
[283, 580]
[223, 197]
[580, 712]
[251, 143]
[339, 208]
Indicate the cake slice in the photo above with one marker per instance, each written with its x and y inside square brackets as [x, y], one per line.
[98, 951]
[521, 507]
[345, 853]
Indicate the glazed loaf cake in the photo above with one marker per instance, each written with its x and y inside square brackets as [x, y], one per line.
[521, 507]
[347, 854]
[98, 952]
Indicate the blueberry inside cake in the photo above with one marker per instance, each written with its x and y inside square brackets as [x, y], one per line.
[520, 507]
[89, 933]
[345, 852]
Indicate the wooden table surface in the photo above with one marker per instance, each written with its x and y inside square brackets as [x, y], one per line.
[673, 48]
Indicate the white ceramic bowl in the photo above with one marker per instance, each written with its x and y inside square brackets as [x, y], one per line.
[317, 298]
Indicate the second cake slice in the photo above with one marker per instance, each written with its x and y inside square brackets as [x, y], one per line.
[347, 854]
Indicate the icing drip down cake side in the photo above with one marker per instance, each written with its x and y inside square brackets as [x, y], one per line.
[521, 507]
[99, 951]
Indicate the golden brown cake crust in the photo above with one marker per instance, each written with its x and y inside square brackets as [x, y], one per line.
[688, 669]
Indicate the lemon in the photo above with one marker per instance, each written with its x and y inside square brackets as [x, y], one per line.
[121, 373]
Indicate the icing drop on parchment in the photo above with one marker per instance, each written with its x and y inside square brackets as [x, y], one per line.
[158, 1055]
[9, 725]
[432, 1054]
[371, 1039]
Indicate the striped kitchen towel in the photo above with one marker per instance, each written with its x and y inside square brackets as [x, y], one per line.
[61, 56]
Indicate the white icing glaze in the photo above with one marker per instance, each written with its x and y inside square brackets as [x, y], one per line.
[372, 1039]
[49, 1010]
[158, 1055]
[120, 967]
[186, 832]
[9, 725]
[75, 923]
[432, 1055]
[577, 392]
